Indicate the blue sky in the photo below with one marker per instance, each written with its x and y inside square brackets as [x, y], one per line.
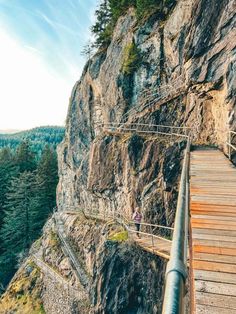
[40, 58]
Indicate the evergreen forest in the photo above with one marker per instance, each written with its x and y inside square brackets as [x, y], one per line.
[27, 197]
[51, 135]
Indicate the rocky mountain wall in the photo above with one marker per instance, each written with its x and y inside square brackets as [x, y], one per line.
[192, 48]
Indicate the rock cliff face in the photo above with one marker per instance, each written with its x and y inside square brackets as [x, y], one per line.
[188, 59]
[193, 51]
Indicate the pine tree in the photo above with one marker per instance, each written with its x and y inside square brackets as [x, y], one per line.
[17, 230]
[102, 28]
[47, 179]
[8, 170]
[117, 8]
[26, 200]
[25, 157]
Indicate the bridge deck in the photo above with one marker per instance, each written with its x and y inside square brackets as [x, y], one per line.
[213, 223]
[158, 247]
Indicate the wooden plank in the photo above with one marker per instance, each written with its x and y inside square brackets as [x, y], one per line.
[205, 309]
[213, 201]
[213, 231]
[214, 250]
[212, 221]
[215, 287]
[228, 302]
[212, 226]
[216, 213]
[213, 192]
[214, 237]
[214, 258]
[213, 217]
[221, 244]
[206, 208]
[212, 211]
[211, 207]
[212, 266]
[214, 276]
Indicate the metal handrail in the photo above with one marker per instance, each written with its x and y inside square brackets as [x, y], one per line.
[151, 97]
[149, 235]
[153, 225]
[84, 280]
[229, 144]
[176, 272]
[119, 127]
[126, 223]
[149, 125]
[46, 268]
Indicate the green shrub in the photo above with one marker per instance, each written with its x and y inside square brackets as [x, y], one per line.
[109, 12]
[119, 236]
[131, 59]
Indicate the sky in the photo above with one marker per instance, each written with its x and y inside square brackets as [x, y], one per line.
[40, 58]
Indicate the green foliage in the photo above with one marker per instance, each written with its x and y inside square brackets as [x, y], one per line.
[118, 8]
[38, 137]
[101, 28]
[145, 7]
[27, 197]
[131, 59]
[106, 17]
[119, 236]
[25, 157]
[110, 10]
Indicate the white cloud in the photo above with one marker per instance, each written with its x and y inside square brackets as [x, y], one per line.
[30, 95]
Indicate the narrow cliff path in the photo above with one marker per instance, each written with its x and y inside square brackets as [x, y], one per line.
[69, 251]
[55, 276]
[213, 224]
[152, 238]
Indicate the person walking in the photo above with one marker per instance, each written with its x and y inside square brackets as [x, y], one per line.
[137, 217]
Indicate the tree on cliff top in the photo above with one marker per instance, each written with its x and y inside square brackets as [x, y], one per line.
[110, 10]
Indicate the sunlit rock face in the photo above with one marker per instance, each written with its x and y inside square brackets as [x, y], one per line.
[193, 50]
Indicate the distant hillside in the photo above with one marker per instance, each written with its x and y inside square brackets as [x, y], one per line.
[9, 131]
[40, 136]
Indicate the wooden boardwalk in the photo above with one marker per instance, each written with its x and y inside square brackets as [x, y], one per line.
[213, 224]
[160, 247]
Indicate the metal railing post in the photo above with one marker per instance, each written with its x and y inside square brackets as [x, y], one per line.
[229, 145]
[152, 244]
